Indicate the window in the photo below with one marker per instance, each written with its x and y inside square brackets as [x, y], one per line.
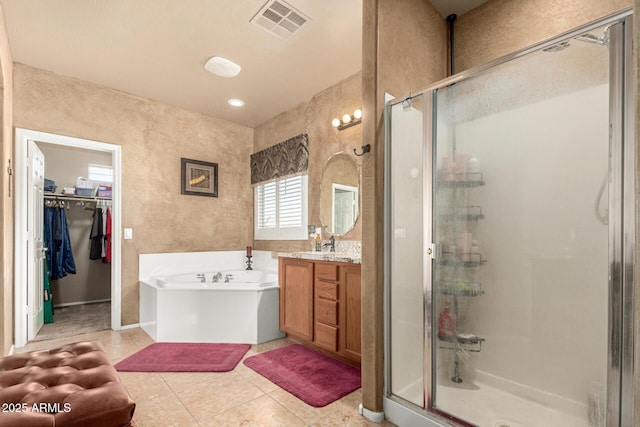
[281, 209]
[100, 173]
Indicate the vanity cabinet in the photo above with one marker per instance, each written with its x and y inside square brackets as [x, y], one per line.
[296, 297]
[320, 305]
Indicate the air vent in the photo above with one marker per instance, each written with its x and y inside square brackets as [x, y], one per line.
[279, 18]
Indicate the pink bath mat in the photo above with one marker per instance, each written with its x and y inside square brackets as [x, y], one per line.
[310, 376]
[184, 357]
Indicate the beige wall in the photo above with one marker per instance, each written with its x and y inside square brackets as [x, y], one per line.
[405, 50]
[314, 117]
[153, 137]
[500, 27]
[6, 199]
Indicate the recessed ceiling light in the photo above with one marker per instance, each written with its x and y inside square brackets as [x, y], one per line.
[236, 102]
[222, 67]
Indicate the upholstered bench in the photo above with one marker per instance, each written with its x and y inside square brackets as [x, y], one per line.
[74, 385]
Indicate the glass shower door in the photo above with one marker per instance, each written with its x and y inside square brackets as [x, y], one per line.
[520, 222]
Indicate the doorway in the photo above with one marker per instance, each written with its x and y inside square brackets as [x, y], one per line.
[25, 308]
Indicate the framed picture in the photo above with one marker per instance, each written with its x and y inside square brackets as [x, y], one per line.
[199, 178]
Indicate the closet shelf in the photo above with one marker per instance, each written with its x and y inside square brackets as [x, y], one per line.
[71, 198]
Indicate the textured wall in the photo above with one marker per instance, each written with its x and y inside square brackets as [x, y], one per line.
[404, 50]
[314, 117]
[153, 137]
[499, 27]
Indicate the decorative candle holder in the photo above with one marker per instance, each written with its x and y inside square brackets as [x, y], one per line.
[249, 262]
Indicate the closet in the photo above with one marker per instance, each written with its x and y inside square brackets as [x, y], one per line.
[80, 285]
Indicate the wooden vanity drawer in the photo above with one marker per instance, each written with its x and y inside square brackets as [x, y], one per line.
[326, 271]
[327, 290]
[326, 336]
[327, 311]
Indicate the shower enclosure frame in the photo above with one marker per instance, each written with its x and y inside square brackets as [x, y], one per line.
[622, 230]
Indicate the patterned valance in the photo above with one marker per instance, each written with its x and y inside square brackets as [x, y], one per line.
[290, 157]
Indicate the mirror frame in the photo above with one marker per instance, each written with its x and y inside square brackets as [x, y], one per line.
[328, 199]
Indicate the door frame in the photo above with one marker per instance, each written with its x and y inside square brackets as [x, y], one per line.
[20, 276]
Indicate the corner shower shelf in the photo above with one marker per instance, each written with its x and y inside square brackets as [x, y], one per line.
[469, 342]
[463, 214]
[463, 180]
[457, 259]
[460, 288]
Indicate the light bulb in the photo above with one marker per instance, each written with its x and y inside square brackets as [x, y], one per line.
[236, 102]
[346, 119]
[357, 114]
[335, 122]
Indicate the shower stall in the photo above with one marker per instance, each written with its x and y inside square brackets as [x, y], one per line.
[510, 234]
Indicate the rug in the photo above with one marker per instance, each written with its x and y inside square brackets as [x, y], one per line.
[184, 357]
[310, 376]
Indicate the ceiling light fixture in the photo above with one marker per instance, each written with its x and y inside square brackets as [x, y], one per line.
[236, 102]
[222, 67]
[347, 120]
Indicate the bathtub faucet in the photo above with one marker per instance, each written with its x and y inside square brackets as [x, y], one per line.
[201, 277]
[227, 277]
[216, 277]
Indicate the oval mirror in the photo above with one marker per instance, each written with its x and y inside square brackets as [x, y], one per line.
[339, 194]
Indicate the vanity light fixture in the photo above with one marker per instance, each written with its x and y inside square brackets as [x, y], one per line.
[347, 120]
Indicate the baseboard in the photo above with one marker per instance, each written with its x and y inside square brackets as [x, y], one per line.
[131, 326]
[69, 304]
[376, 417]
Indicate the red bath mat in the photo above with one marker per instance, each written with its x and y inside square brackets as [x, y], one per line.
[310, 376]
[184, 357]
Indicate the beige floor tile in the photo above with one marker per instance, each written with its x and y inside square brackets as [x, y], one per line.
[207, 399]
[236, 398]
[306, 412]
[144, 385]
[262, 411]
[165, 411]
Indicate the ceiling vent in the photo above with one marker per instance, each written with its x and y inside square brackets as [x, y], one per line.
[280, 18]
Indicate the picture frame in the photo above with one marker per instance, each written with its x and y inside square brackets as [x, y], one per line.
[199, 178]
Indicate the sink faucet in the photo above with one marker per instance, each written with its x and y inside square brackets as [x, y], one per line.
[216, 277]
[201, 277]
[227, 277]
[332, 244]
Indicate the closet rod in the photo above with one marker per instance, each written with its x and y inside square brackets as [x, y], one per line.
[75, 198]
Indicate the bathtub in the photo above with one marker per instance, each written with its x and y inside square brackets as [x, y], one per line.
[192, 307]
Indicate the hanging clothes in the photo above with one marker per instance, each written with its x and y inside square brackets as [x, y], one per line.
[107, 238]
[95, 252]
[58, 242]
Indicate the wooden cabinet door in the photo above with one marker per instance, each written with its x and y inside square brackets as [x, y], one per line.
[350, 311]
[296, 297]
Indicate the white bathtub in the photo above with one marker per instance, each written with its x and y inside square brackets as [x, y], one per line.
[186, 308]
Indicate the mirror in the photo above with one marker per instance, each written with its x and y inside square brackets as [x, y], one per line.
[339, 194]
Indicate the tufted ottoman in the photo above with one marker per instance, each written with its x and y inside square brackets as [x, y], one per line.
[74, 385]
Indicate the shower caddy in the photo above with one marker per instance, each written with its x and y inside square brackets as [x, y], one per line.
[459, 218]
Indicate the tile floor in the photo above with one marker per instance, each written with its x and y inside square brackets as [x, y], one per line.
[240, 397]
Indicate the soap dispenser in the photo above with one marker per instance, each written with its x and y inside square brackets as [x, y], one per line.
[318, 240]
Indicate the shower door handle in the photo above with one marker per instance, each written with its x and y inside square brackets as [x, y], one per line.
[431, 251]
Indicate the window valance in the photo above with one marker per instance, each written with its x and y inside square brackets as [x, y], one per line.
[289, 157]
